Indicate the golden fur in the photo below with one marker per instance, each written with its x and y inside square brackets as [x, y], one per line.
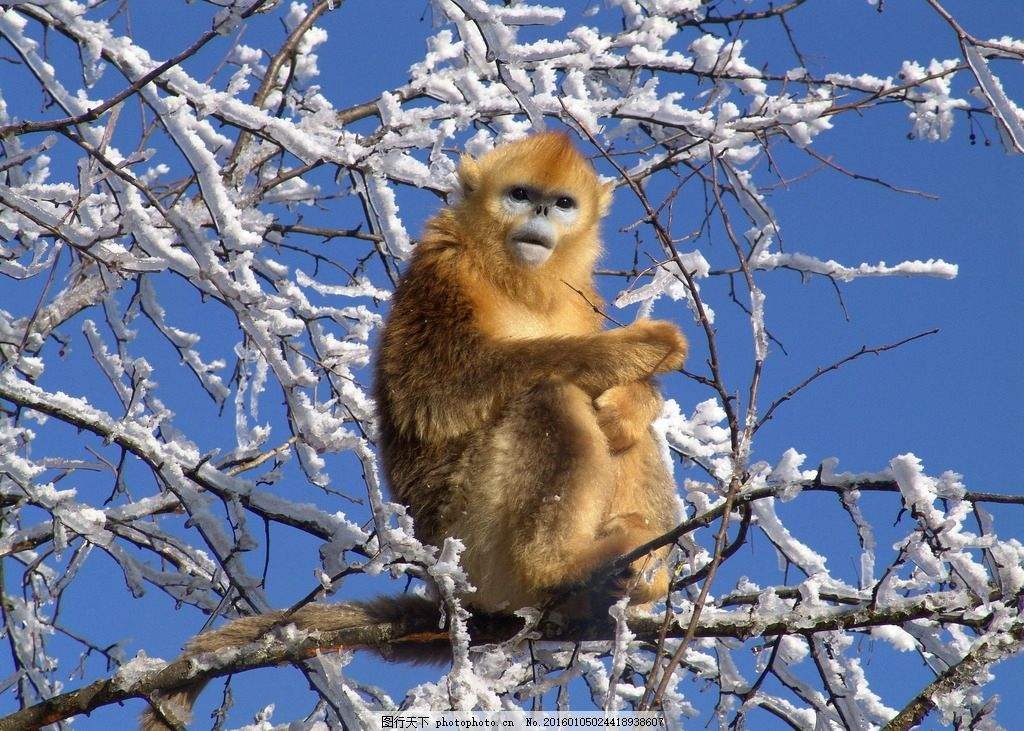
[509, 418]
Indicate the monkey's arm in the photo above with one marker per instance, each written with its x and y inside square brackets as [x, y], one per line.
[595, 362]
[440, 374]
[440, 385]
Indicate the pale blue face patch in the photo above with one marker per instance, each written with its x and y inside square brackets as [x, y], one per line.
[540, 215]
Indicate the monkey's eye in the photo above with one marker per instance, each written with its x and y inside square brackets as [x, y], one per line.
[519, 194]
[565, 203]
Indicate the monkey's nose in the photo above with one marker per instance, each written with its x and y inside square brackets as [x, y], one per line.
[542, 210]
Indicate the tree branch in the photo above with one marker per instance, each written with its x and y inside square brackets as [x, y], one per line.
[957, 676]
[821, 371]
[408, 633]
[771, 12]
[19, 128]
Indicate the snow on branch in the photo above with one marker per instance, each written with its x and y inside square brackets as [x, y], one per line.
[145, 676]
[196, 256]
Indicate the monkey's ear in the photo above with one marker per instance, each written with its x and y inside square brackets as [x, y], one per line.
[469, 174]
[604, 196]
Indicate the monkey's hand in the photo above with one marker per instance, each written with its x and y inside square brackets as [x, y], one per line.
[625, 413]
[658, 344]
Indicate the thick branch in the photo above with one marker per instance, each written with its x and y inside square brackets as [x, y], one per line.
[745, 498]
[201, 473]
[408, 632]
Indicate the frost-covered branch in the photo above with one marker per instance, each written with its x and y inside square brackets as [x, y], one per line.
[1009, 116]
[144, 676]
[943, 694]
[197, 253]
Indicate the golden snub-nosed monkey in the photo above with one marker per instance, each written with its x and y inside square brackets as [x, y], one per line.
[509, 418]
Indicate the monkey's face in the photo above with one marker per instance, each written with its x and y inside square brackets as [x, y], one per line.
[540, 218]
[535, 204]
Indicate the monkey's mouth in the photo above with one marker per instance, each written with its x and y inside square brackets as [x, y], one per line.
[531, 249]
[531, 240]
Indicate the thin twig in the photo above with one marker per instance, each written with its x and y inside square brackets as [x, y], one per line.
[819, 372]
[868, 178]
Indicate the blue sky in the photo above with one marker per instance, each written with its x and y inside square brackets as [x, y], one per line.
[954, 399]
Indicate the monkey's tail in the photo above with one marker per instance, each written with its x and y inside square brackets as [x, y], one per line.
[413, 613]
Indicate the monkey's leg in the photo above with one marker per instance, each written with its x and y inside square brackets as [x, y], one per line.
[536, 495]
[644, 505]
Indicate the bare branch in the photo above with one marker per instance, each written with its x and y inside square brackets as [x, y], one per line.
[821, 371]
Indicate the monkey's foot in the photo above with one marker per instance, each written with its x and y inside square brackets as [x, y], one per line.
[625, 413]
[645, 581]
